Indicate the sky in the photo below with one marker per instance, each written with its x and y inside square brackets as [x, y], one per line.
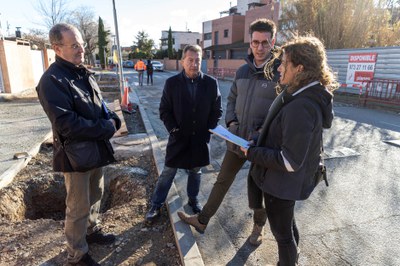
[151, 16]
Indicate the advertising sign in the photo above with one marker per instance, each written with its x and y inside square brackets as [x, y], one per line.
[361, 68]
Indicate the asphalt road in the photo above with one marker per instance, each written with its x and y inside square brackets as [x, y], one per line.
[354, 221]
[23, 127]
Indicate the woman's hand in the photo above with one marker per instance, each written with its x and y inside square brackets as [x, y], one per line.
[244, 150]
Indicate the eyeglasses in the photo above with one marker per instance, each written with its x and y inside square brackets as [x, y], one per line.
[74, 46]
[265, 44]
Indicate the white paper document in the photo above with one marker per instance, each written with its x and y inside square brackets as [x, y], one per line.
[225, 134]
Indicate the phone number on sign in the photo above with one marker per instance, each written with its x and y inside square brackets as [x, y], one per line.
[362, 67]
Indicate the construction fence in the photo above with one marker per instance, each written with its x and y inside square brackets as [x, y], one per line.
[383, 89]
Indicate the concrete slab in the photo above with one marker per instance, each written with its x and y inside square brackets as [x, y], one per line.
[339, 152]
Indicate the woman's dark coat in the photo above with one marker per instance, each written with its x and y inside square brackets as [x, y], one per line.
[295, 133]
[188, 147]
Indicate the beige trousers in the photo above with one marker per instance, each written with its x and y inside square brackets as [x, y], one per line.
[84, 194]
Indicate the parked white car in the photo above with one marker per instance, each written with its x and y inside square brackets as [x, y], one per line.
[157, 66]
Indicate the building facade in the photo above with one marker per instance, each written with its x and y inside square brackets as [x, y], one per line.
[228, 37]
[179, 39]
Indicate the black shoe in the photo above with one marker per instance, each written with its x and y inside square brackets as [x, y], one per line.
[196, 206]
[100, 238]
[152, 214]
[86, 260]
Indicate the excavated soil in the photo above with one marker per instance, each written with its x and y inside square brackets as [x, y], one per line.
[32, 211]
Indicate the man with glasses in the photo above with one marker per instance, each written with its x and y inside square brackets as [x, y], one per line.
[82, 126]
[249, 99]
[190, 105]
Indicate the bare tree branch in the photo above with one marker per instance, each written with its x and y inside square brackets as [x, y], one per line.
[342, 23]
[52, 12]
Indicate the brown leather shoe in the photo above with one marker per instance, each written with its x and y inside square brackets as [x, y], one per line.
[257, 234]
[86, 260]
[193, 221]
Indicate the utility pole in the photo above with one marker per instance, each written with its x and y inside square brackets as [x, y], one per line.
[1, 30]
[121, 74]
[115, 52]
[8, 28]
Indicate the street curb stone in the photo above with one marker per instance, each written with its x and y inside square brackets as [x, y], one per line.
[186, 243]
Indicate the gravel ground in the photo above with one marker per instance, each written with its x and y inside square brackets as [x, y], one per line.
[32, 210]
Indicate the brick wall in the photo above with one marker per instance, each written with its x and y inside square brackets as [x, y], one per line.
[260, 12]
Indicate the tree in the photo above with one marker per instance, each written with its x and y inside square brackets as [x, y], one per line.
[36, 37]
[160, 54]
[83, 18]
[102, 42]
[52, 12]
[339, 23]
[170, 50]
[143, 46]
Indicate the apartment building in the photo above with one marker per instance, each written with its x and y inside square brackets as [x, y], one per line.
[179, 39]
[228, 37]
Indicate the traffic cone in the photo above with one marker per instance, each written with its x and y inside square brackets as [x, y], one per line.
[130, 105]
[126, 106]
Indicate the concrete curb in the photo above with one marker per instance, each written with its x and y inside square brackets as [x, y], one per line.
[186, 243]
[8, 176]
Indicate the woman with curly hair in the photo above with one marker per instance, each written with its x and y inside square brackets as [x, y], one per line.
[287, 154]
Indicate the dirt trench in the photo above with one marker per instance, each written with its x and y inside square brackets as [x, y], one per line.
[32, 209]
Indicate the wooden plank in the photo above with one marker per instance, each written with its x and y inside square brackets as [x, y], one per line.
[116, 107]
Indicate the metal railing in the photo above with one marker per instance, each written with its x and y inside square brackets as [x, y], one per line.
[222, 73]
[381, 91]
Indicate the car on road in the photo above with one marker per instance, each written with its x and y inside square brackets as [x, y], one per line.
[128, 64]
[157, 66]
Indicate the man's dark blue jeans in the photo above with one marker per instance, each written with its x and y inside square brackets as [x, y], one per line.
[165, 180]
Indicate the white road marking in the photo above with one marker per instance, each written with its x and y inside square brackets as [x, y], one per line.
[390, 124]
[341, 113]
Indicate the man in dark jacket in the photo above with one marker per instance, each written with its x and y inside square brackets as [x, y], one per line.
[190, 105]
[249, 99]
[82, 126]
[149, 69]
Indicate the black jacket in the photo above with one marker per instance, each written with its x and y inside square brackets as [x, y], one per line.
[189, 146]
[285, 160]
[72, 100]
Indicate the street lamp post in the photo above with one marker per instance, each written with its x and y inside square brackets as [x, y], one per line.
[121, 74]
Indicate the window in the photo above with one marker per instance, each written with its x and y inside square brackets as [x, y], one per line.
[197, 41]
[216, 38]
[226, 33]
[207, 36]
